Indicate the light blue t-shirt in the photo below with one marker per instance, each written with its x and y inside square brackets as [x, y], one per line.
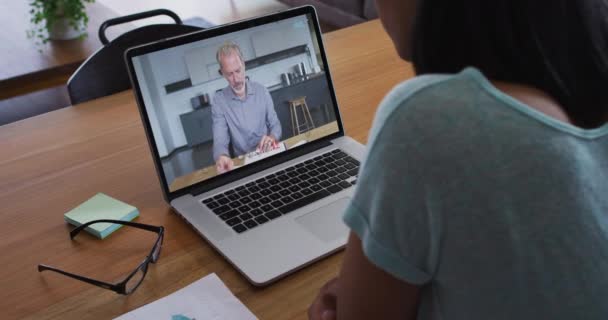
[497, 210]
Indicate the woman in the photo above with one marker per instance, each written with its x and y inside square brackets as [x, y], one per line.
[484, 194]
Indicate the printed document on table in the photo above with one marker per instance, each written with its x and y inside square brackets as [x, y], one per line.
[207, 298]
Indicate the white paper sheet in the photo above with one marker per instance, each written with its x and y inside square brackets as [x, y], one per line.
[205, 299]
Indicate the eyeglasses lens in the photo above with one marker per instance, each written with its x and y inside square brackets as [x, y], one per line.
[135, 280]
[156, 252]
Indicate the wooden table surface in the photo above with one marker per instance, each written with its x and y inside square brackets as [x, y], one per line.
[52, 162]
[210, 171]
[26, 66]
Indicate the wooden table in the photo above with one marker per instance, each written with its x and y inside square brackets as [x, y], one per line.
[53, 162]
[210, 171]
[26, 67]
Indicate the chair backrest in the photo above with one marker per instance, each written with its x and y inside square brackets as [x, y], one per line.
[105, 73]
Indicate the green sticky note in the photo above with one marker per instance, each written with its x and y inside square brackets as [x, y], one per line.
[101, 206]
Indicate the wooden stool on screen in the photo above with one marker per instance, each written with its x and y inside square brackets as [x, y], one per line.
[303, 123]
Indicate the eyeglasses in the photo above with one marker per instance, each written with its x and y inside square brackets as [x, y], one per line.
[134, 279]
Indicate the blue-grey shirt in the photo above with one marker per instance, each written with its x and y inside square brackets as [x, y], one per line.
[497, 210]
[242, 121]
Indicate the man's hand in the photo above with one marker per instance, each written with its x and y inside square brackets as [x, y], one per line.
[223, 164]
[266, 143]
[324, 306]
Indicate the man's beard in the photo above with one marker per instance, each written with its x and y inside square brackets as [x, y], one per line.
[239, 87]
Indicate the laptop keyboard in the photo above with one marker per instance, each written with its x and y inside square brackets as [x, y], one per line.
[257, 202]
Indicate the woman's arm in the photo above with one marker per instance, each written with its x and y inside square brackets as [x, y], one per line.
[364, 291]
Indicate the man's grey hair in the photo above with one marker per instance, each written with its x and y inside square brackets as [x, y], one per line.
[227, 49]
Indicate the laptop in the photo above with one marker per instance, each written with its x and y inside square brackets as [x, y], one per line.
[272, 207]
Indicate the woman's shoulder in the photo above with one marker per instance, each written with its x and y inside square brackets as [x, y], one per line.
[433, 88]
[424, 97]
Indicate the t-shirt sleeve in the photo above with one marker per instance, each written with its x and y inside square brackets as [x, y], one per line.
[391, 210]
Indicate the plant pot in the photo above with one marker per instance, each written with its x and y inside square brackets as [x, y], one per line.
[62, 30]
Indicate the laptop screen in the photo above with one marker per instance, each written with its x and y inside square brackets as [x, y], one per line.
[222, 103]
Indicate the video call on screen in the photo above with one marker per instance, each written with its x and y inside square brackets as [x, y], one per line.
[209, 117]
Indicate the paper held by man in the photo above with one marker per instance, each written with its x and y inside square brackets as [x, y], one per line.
[259, 154]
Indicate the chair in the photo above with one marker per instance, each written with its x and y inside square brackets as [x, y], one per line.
[303, 124]
[105, 73]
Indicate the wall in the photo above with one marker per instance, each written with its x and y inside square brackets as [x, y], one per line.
[151, 100]
[170, 66]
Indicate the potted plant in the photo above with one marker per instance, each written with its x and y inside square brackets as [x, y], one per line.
[58, 19]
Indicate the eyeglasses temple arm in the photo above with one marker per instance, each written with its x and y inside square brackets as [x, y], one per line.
[77, 230]
[43, 267]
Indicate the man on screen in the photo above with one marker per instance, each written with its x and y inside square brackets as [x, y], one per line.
[243, 112]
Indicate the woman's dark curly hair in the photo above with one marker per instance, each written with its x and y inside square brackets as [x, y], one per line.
[557, 46]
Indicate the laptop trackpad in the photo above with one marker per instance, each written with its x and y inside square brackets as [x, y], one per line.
[326, 222]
